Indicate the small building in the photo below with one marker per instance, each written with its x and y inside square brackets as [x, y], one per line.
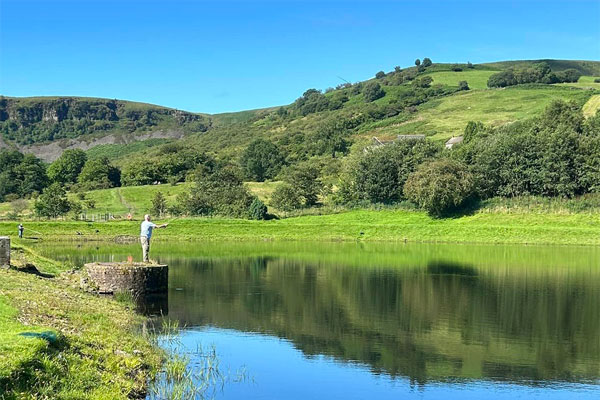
[453, 141]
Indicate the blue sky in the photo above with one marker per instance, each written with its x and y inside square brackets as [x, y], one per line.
[218, 56]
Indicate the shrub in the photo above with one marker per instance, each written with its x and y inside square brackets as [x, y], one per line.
[597, 80]
[380, 75]
[440, 186]
[159, 204]
[372, 91]
[286, 198]
[257, 210]
[463, 85]
[426, 62]
[52, 202]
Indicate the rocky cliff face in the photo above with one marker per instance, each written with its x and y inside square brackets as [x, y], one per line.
[48, 126]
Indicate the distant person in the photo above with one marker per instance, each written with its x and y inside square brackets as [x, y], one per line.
[21, 229]
[146, 234]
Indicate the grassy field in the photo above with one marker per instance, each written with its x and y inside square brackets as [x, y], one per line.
[448, 117]
[591, 107]
[365, 225]
[137, 200]
[477, 79]
[58, 342]
[584, 82]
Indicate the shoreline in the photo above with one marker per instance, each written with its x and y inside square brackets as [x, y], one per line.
[60, 341]
[398, 226]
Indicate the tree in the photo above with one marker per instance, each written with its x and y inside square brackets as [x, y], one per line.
[331, 138]
[423, 82]
[305, 180]
[67, 167]
[262, 160]
[379, 174]
[426, 62]
[372, 91]
[159, 204]
[52, 202]
[440, 186]
[286, 198]
[31, 173]
[99, 174]
[218, 192]
[257, 209]
[502, 79]
[380, 75]
[417, 62]
[463, 85]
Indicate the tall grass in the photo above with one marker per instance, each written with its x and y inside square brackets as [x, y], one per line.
[188, 375]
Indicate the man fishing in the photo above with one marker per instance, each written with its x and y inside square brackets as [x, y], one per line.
[21, 229]
[146, 234]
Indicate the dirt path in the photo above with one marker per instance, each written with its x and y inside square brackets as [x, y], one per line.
[131, 209]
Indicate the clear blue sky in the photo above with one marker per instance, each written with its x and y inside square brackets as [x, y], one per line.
[217, 56]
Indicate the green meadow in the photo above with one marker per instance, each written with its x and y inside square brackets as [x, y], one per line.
[477, 79]
[364, 225]
[447, 117]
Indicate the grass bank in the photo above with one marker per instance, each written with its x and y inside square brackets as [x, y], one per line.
[58, 342]
[516, 226]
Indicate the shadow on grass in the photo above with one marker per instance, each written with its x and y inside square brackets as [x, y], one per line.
[32, 374]
[469, 208]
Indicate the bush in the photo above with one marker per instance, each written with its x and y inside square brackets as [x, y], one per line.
[456, 68]
[372, 91]
[52, 202]
[463, 85]
[426, 62]
[220, 192]
[440, 186]
[286, 198]
[159, 204]
[257, 210]
[378, 174]
[597, 80]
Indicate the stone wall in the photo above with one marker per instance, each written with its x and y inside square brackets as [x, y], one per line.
[137, 278]
[4, 250]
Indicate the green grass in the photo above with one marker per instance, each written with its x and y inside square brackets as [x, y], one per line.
[477, 79]
[90, 347]
[137, 199]
[591, 107]
[448, 116]
[117, 152]
[502, 226]
[584, 82]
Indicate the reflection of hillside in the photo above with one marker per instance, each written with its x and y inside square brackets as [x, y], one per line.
[446, 320]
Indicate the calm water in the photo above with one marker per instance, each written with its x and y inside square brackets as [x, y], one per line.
[353, 321]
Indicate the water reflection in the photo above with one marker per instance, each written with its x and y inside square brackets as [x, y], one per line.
[435, 323]
[415, 313]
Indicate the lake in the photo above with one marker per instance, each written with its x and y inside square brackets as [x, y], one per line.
[385, 321]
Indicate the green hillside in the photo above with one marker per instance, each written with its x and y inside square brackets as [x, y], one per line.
[585, 67]
[118, 129]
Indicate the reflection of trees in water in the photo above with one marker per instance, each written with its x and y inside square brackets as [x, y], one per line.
[424, 323]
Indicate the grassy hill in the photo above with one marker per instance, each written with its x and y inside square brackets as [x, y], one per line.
[117, 129]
